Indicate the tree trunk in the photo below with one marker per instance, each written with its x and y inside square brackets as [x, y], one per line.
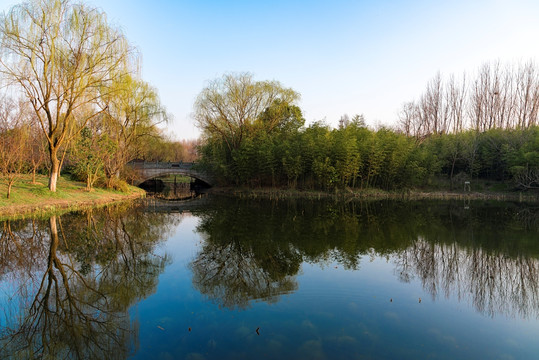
[54, 245]
[54, 230]
[55, 166]
[9, 185]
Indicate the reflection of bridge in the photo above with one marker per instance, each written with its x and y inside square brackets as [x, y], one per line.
[145, 170]
[175, 206]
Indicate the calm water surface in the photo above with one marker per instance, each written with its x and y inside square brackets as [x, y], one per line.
[225, 278]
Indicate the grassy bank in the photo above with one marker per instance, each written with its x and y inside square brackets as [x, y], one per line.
[375, 194]
[36, 199]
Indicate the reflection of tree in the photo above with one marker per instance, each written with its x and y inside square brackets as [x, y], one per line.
[74, 303]
[232, 275]
[529, 217]
[494, 283]
[18, 241]
[65, 318]
[254, 249]
[120, 244]
[487, 254]
[238, 264]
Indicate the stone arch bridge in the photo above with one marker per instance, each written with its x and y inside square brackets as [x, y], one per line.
[145, 170]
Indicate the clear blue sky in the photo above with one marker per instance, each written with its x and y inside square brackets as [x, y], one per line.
[365, 57]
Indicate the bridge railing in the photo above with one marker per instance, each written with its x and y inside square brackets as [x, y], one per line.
[161, 165]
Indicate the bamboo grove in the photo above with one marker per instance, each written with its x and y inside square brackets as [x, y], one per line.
[254, 135]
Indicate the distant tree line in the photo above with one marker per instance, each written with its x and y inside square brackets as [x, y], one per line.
[73, 98]
[497, 97]
[254, 135]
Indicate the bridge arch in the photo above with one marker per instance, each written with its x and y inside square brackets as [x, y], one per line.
[148, 170]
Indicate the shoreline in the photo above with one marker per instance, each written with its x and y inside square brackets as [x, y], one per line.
[35, 200]
[371, 194]
[52, 208]
[78, 198]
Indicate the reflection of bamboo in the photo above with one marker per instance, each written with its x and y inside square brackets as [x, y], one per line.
[528, 217]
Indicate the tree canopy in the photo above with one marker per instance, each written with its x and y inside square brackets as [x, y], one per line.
[229, 106]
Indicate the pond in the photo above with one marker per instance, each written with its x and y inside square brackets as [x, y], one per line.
[229, 278]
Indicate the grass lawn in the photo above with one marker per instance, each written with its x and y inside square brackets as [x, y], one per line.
[29, 198]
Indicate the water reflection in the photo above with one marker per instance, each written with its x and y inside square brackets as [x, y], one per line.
[71, 280]
[67, 283]
[493, 282]
[486, 255]
[238, 263]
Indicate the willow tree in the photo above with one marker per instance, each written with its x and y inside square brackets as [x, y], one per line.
[61, 56]
[133, 113]
[229, 106]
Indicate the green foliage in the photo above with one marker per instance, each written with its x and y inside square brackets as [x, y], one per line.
[280, 116]
[88, 154]
[231, 108]
[114, 183]
[522, 159]
[318, 157]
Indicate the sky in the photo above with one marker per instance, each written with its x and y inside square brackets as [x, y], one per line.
[343, 57]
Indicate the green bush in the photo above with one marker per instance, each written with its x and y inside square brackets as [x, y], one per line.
[119, 185]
